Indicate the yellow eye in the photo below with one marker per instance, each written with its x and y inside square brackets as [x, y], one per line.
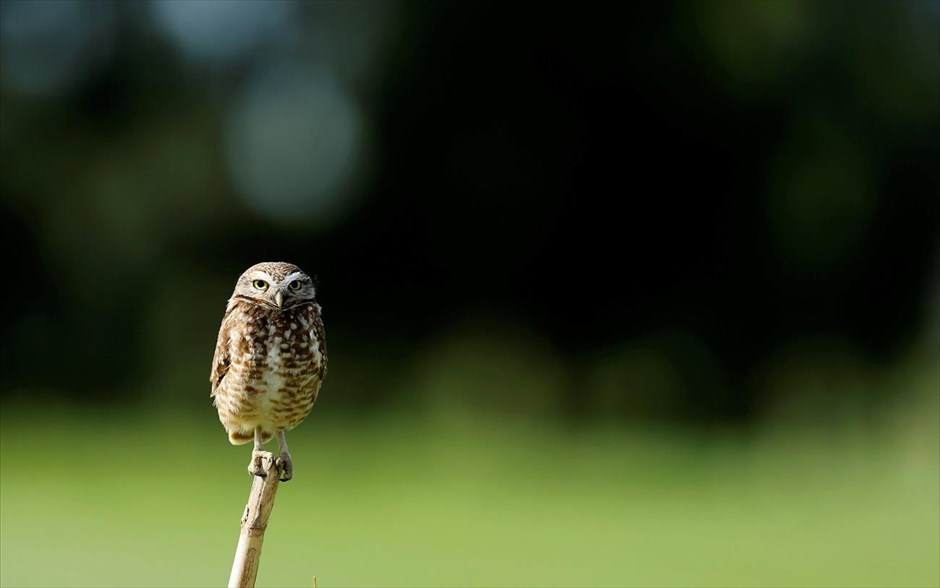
[295, 285]
[260, 285]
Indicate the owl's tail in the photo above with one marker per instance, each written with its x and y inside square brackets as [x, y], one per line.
[240, 437]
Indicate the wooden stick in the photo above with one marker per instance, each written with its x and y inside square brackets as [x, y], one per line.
[254, 522]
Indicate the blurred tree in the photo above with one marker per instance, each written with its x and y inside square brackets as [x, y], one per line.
[705, 182]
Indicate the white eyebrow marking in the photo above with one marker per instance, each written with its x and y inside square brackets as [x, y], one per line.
[261, 275]
[290, 278]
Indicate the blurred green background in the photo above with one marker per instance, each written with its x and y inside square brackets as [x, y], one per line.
[616, 295]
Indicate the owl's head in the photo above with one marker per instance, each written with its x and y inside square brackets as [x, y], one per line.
[277, 284]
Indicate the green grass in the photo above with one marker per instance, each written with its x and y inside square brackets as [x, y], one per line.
[107, 501]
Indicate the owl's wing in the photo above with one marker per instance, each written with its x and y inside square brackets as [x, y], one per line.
[321, 341]
[222, 359]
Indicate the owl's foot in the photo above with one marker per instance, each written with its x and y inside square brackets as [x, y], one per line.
[256, 467]
[285, 467]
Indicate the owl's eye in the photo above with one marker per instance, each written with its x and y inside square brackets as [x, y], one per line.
[295, 285]
[260, 285]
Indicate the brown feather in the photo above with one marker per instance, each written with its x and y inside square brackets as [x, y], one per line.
[268, 364]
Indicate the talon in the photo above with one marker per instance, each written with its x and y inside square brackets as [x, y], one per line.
[256, 465]
[285, 468]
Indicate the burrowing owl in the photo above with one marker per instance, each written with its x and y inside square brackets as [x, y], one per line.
[270, 359]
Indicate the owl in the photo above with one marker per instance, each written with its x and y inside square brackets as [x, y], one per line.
[270, 359]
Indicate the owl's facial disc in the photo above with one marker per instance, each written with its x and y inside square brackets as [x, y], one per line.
[275, 289]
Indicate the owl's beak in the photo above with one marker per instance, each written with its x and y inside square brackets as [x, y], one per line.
[279, 299]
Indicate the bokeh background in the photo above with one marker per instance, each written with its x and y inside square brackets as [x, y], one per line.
[635, 294]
